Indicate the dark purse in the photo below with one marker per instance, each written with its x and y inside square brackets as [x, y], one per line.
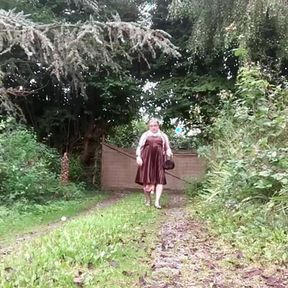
[168, 164]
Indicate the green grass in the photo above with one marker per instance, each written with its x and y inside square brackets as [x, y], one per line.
[261, 237]
[110, 248]
[23, 218]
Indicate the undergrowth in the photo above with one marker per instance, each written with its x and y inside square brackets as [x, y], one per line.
[259, 235]
[244, 194]
[29, 170]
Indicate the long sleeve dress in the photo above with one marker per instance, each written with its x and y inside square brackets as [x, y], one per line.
[152, 148]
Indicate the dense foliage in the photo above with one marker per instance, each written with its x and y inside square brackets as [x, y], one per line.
[215, 38]
[248, 158]
[244, 193]
[187, 87]
[29, 170]
[258, 26]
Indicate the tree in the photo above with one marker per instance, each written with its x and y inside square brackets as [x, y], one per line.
[187, 87]
[257, 29]
[72, 51]
[77, 73]
[215, 38]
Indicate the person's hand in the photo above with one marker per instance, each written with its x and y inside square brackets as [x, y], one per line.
[139, 161]
[169, 153]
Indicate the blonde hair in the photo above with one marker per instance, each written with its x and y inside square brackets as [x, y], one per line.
[154, 120]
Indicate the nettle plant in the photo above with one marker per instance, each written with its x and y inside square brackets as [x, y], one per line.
[249, 156]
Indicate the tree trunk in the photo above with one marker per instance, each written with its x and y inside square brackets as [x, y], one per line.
[91, 155]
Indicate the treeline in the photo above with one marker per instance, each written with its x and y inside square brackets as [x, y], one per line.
[224, 59]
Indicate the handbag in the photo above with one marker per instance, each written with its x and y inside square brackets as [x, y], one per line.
[168, 164]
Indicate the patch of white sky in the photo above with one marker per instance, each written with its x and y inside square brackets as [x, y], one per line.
[145, 14]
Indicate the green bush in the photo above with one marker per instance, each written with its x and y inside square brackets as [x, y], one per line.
[76, 170]
[194, 186]
[248, 159]
[28, 169]
[244, 195]
[127, 136]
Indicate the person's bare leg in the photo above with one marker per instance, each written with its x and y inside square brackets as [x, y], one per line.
[147, 195]
[152, 189]
[147, 199]
[159, 189]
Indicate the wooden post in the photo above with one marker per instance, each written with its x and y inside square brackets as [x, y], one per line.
[64, 175]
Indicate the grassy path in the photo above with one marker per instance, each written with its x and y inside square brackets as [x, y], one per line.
[189, 256]
[105, 248]
[15, 224]
[33, 225]
[131, 245]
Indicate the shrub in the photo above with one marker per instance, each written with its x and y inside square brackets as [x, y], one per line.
[127, 136]
[28, 169]
[194, 186]
[76, 169]
[245, 192]
[248, 159]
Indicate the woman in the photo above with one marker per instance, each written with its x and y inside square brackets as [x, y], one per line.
[151, 151]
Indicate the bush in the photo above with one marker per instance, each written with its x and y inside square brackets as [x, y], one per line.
[28, 169]
[76, 169]
[249, 156]
[245, 192]
[127, 136]
[194, 186]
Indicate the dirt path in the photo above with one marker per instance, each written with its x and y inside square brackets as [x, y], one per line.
[188, 256]
[42, 230]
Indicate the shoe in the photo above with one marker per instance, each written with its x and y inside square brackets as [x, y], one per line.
[157, 206]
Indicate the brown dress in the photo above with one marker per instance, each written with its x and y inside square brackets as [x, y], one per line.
[152, 154]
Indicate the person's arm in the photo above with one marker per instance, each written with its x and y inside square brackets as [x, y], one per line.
[167, 146]
[141, 144]
[139, 148]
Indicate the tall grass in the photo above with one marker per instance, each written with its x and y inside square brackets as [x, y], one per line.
[248, 159]
[244, 194]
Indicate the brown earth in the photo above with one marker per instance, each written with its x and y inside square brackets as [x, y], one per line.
[187, 255]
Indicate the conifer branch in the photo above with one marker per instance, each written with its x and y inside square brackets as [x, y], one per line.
[71, 51]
